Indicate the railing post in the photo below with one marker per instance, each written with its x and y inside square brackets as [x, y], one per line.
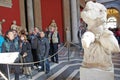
[44, 65]
[68, 47]
[8, 69]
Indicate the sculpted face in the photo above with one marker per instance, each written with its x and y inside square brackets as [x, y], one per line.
[94, 12]
[3, 20]
[14, 22]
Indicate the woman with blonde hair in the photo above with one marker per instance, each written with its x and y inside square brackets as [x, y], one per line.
[54, 40]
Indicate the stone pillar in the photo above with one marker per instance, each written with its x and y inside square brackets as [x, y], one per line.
[66, 17]
[22, 14]
[78, 13]
[30, 18]
[37, 13]
[74, 21]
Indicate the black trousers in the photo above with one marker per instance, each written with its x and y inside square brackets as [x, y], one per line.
[35, 56]
[53, 50]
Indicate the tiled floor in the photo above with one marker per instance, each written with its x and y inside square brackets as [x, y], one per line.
[68, 70]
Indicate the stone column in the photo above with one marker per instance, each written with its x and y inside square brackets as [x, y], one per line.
[78, 13]
[37, 13]
[30, 18]
[74, 21]
[22, 14]
[66, 17]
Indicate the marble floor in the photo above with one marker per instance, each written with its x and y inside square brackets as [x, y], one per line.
[68, 69]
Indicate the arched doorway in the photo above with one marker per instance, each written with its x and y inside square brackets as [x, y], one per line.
[112, 22]
[113, 18]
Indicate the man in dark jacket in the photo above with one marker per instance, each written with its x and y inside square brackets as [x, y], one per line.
[11, 45]
[33, 41]
[43, 52]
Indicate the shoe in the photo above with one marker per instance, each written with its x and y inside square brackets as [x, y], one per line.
[56, 62]
[40, 70]
[46, 72]
[29, 76]
[39, 67]
[52, 61]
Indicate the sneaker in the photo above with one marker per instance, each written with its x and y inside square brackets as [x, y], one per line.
[39, 67]
[40, 70]
[29, 76]
[56, 62]
[47, 72]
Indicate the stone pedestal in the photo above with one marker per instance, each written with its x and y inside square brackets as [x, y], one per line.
[96, 74]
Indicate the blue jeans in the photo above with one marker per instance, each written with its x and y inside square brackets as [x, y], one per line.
[47, 65]
[44, 64]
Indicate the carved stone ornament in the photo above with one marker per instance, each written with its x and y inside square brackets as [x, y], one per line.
[6, 3]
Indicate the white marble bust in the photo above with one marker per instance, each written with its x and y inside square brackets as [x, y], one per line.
[97, 52]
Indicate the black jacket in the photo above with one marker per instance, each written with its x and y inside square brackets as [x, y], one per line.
[10, 46]
[26, 48]
[43, 47]
[33, 40]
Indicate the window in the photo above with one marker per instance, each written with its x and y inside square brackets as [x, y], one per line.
[112, 15]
